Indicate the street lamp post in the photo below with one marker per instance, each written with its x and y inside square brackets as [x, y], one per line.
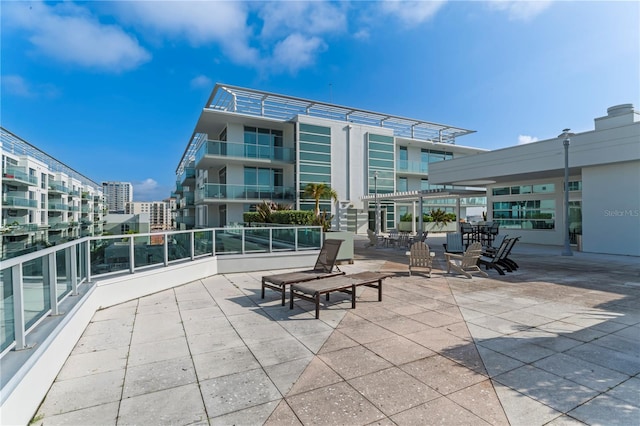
[566, 251]
[375, 186]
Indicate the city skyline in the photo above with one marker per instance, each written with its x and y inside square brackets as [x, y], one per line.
[114, 89]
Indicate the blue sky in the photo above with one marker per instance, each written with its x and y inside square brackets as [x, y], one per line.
[114, 88]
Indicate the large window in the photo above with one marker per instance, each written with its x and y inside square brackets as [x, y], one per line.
[315, 160]
[525, 214]
[259, 142]
[544, 188]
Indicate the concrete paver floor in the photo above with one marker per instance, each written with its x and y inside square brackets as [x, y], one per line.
[556, 342]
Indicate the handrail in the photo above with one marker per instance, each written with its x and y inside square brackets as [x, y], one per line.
[35, 284]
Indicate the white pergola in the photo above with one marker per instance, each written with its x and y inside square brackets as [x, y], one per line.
[427, 194]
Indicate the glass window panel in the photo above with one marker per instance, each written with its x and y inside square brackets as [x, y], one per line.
[544, 188]
[402, 184]
[525, 189]
[315, 129]
[403, 153]
[501, 191]
[326, 140]
[308, 156]
[381, 155]
[380, 138]
[250, 176]
[314, 147]
[424, 184]
[373, 146]
[386, 164]
[310, 168]
[7, 335]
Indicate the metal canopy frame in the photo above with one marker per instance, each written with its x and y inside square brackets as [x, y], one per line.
[429, 194]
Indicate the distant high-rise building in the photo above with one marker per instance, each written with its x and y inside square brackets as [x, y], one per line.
[118, 194]
[44, 201]
[159, 213]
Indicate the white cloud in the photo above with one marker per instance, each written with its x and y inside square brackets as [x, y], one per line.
[149, 190]
[17, 85]
[310, 18]
[518, 10]
[296, 51]
[412, 12]
[524, 139]
[69, 34]
[199, 22]
[201, 81]
[362, 34]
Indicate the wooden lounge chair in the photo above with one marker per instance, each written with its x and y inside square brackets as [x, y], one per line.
[312, 290]
[467, 263]
[454, 243]
[420, 258]
[324, 268]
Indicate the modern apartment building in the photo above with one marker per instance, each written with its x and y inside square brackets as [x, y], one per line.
[44, 201]
[249, 146]
[117, 194]
[159, 213]
[525, 185]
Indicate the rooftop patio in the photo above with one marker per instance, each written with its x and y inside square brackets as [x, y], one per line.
[556, 342]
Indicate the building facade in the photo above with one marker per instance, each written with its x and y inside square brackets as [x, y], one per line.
[525, 186]
[250, 146]
[44, 201]
[117, 194]
[159, 213]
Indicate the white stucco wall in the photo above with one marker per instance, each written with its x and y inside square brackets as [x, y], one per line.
[611, 208]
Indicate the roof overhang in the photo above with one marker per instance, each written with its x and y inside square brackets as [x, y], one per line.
[426, 194]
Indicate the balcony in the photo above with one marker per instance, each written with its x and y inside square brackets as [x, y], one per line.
[58, 188]
[58, 226]
[74, 208]
[215, 192]
[18, 176]
[412, 167]
[58, 207]
[21, 229]
[187, 200]
[218, 152]
[188, 175]
[16, 202]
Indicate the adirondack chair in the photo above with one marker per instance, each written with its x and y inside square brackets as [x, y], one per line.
[420, 258]
[467, 263]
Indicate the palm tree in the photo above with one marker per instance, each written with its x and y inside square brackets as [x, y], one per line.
[319, 191]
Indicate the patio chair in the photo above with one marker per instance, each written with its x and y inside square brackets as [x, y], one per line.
[454, 243]
[324, 268]
[495, 260]
[420, 258]
[492, 247]
[466, 263]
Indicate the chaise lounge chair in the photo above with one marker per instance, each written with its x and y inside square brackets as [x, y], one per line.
[324, 268]
[467, 263]
[420, 258]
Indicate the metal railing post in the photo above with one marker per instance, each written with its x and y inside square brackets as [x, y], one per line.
[270, 240]
[132, 255]
[51, 277]
[192, 244]
[18, 307]
[87, 260]
[243, 240]
[165, 252]
[72, 264]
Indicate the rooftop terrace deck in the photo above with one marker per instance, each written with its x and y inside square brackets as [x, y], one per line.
[556, 342]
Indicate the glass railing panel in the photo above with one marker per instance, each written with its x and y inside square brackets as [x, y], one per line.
[36, 290]
[256, 240]
[147, 252]
[203, 242]
[63, 280]
[284, 239]
[309, 238]
[179, 246]
[81, 261]
[228, 241]
[7, 328]
[229, 149]
[109, 255]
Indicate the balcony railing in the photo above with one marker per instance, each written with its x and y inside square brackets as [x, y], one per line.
[58, 187]
[34, 285]
[17, 202]
[241, 150]
[18, 175]
[187, 174]
[58, 207]
[245, 192]
[412, 166]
